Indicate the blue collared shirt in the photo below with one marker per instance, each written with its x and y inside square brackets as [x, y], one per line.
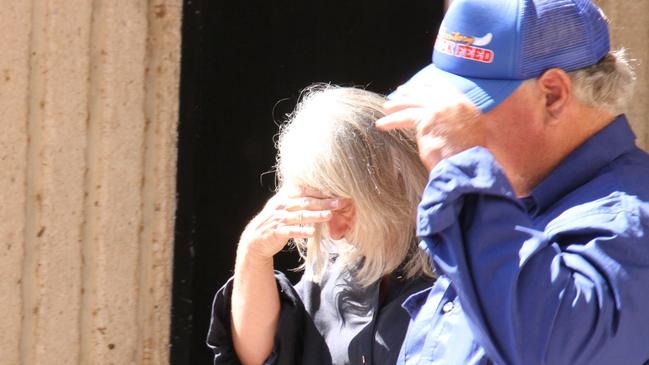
[558, 277]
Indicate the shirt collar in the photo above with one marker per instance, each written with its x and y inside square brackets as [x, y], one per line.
[580, 165]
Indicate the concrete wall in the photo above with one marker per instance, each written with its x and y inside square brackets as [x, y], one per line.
[88, 113]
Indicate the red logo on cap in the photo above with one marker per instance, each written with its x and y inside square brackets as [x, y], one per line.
[460, 46]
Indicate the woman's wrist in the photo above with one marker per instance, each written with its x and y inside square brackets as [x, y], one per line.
[249, 258]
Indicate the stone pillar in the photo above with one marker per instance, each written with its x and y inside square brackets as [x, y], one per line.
[88, 105]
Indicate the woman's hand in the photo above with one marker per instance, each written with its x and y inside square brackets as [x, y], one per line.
[255, 299]
[286, 215]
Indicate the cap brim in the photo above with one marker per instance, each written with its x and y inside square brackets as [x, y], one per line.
[485, 94]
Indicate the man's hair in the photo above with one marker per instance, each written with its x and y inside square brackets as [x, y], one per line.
[330, 143]
[606, 85]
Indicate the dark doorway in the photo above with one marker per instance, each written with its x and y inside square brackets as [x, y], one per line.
[243, 64]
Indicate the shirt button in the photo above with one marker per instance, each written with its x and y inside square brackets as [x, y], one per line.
[448, 307]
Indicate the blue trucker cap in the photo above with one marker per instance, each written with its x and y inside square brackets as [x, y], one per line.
[487, 48]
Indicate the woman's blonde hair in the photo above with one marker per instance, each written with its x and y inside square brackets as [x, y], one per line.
[330, 143]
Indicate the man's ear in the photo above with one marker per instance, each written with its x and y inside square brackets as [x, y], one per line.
[556, 86]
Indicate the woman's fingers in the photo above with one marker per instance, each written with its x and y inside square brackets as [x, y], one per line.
[296, 231]
[308, 203]
[306, 216]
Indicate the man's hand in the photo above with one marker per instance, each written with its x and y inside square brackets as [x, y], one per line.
[445, 121]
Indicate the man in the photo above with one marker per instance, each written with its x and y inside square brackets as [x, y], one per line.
[536, 213]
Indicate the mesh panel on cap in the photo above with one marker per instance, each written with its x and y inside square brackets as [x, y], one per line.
[554, 35]
[598, 28]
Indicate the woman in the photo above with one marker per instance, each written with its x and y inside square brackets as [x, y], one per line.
[347, 197]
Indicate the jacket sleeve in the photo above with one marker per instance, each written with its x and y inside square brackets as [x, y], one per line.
[572, 294]
[287, 348]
